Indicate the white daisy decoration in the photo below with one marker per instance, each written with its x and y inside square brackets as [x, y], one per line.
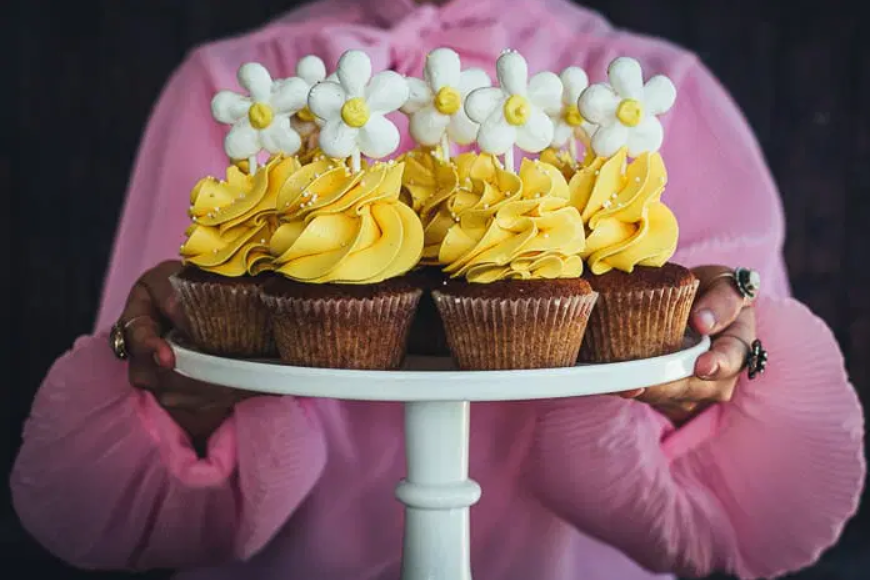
[262, 119]
[312, 70]
[518, 111]
[626, 109]
[436, 106]
[569, 123]
[353, 109]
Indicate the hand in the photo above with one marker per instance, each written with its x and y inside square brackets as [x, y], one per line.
[152, 310]
[722, 313]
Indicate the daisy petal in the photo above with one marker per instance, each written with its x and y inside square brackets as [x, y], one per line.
[659, 95]
[598, 104]
[311, 69]
[256, 80]
[545, 91]
[289, 96]
[536, 133]
[473, 78]
[513, 72]
[442, 68]
[585, 131]
[462, 130]
[419, 95]
[387, 91]
[354, 71]
[326, 100]
[561, 133]
[481, 103]
[279, 137]
[647, 136]
[574, 81]
[626, 77]
[378, 138]
[228, 107]
[242, 141]
[337, 139]
[428, 125]
[609, 140]
[496, 135]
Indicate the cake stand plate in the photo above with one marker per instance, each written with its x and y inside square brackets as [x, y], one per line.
[437, 492]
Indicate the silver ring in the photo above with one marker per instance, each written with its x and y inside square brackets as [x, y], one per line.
[746, 281]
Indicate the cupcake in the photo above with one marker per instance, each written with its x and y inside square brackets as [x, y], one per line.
[515, 299]
[345, 240]
[227, 261]
[510, 242]
[644, 301]
[226, 252]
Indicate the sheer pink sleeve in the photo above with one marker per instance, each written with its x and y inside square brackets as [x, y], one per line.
[758, 486]
[105, 478]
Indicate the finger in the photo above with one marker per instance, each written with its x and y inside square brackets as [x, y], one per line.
[190, 389]
[143, 375]
[729, 350]
[162, 294]
[630, 394]
[691, 390]
[665, 393]
[718, 304]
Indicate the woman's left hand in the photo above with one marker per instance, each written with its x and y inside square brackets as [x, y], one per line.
[722, 313]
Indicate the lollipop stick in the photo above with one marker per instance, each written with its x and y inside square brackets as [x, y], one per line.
[355, 162]
[252, 164]
[509, 159]
[572, 149]
[445, 148]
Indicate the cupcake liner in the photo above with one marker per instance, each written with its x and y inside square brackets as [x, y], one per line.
[638, 324]
[226, 319]
[343, 332]
[490, 333]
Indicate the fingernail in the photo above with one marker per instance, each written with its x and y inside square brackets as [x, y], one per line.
[705, 320]
[157, 361]
[712, 372]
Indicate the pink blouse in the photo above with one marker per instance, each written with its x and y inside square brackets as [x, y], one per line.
[595, 488]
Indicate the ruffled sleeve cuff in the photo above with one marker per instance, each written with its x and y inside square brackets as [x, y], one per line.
[785, 456]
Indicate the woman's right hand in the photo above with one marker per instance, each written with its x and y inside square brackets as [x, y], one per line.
[152, 310]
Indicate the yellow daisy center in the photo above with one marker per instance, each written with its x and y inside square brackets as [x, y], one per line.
[355, 112]
[629, 112]
[572, 116]
[305, 115]
[516, 110]
[260, 115]
[447, 100]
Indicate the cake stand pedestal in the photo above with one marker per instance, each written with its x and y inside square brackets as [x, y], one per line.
[437, 492]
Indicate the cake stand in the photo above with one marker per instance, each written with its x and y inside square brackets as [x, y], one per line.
[437, 492]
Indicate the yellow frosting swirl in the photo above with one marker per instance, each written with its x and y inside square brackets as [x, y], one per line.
[626, 221]
[345, 228]
[234, 219]
[426, 174]
[451, 194]
[509, 226]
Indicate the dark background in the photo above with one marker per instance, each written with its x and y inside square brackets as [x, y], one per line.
[83, 76]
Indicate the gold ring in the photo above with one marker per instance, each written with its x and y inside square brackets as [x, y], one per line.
[118, 339]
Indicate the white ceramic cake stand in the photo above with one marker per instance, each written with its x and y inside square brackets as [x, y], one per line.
[437, 492]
